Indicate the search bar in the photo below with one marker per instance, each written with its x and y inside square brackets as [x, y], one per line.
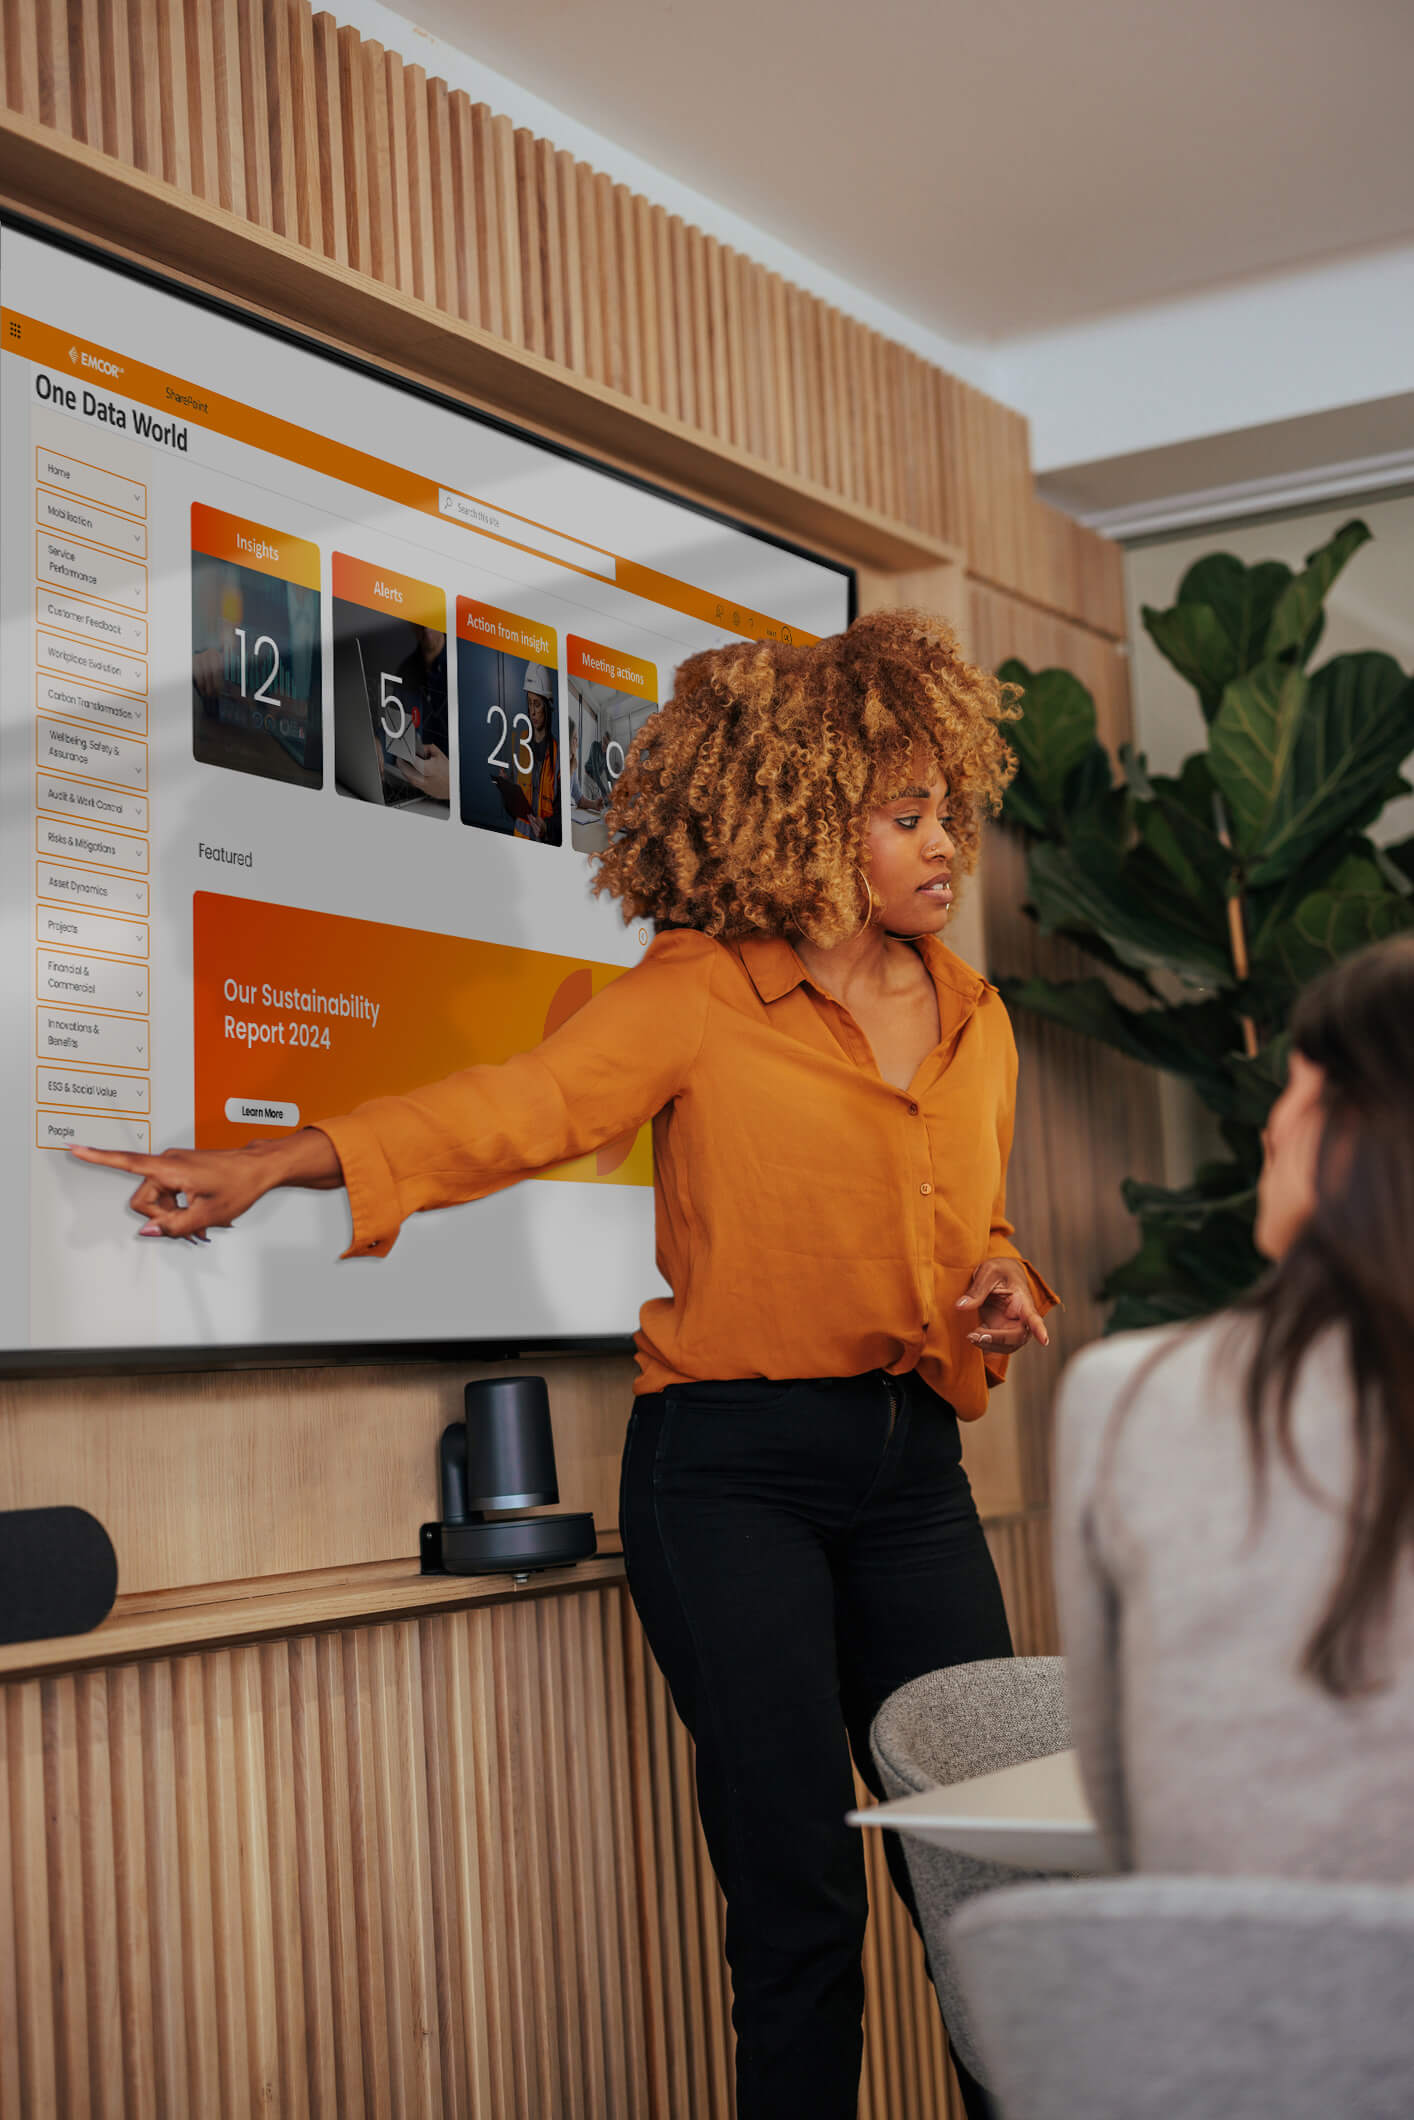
[476, 515]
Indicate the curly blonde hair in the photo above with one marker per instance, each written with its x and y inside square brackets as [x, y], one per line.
[743, 806]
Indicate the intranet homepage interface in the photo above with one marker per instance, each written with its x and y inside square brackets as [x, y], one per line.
[314, 697]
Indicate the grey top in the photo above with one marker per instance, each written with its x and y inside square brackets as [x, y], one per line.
[1203, 1747]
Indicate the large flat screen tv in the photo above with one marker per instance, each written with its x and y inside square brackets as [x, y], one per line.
[315, 689]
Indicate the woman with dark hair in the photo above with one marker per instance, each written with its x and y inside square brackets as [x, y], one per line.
[832, 1096]
[1235, 1505]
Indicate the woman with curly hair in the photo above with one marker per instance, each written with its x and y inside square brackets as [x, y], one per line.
[832, 1094]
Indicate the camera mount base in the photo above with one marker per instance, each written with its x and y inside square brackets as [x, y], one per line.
[507, 1546]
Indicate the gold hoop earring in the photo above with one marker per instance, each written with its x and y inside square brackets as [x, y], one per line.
[869, 902]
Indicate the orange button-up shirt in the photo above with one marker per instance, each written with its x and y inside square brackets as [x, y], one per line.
[812, 1220]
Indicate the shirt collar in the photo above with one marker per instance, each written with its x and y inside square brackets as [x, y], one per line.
[775, 970]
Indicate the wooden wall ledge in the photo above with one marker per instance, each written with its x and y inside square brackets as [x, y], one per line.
[212, 1616]
[79, 191]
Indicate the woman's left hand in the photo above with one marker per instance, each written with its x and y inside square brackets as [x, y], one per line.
[1007, 1316]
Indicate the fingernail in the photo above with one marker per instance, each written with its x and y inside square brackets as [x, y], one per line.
[963, 1301]
[149, 1229]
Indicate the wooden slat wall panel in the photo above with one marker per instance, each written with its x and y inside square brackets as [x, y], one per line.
[447, 1866]
[273, 112]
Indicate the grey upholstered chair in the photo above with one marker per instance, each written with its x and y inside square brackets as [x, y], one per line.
[1186, 1998]
[945, 1727]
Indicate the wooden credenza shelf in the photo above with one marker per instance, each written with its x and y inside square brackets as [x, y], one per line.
[215, 1615]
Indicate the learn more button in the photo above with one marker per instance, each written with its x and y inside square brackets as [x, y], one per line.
[259, 1111]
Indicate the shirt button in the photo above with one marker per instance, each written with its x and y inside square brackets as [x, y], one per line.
[925, 1188]
[913, 1111]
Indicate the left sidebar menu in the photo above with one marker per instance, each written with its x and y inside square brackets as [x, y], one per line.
[93, 992]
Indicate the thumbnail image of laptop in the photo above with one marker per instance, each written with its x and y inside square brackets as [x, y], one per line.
[257, 704]
[390, 712]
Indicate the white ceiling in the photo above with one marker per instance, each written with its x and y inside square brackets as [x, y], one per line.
[1004, 167]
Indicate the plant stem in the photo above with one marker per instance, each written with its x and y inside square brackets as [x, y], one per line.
[1236, 929]
[1237, 935]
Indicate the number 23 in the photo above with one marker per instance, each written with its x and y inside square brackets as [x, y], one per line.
[521, 723]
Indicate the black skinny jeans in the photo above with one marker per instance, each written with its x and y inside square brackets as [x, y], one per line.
[796, 1552]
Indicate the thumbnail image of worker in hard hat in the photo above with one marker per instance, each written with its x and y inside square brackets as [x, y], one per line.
[509, 734]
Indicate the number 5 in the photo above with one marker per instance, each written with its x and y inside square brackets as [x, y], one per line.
[393, 698]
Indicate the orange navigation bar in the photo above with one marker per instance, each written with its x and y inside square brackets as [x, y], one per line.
[82, 363]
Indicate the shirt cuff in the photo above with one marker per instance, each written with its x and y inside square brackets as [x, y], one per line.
[369, 1182]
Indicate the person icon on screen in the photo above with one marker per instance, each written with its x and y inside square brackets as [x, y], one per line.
[582, 795]
[597, 773]
[531, 792]
[422, 689]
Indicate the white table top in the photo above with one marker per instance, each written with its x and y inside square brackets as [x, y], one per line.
[1033, 1815]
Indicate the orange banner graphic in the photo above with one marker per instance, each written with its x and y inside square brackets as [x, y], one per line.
[299, 1016]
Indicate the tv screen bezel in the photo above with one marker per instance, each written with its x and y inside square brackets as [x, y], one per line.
[196, 1360]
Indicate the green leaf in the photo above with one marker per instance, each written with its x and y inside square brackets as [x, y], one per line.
[1197, 1252]
[1054, 736]
[1020, 807]
[1300, 758]
[1271, 906]
[1149, 884]
[1092, 945]
[1299, 607]
[1187, 1207]
[1187, 845]
[1089, 782]
[1357, 906]
[1135, 767]
[1258, 1081]
[1191, 637]
[1402, 855]
[1140, 1313]
[1098, 834]
[1194, 787]
[1068, 895]
[1192, 1039]
[1187, 1273]
[1242, 599]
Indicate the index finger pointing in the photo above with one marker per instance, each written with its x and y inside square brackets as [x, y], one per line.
[118, 1159]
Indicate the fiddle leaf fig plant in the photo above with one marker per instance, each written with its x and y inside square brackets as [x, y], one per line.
[1210, 896]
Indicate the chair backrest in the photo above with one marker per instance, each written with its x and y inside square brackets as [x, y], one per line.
[970, 1719]
[1181, 1998]
[945, 1727]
